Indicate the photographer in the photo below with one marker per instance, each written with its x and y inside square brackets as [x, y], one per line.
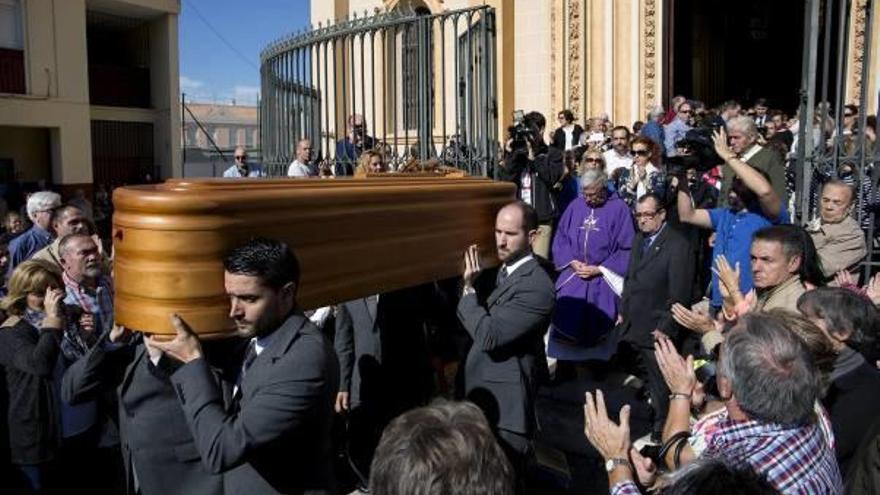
[534, 167]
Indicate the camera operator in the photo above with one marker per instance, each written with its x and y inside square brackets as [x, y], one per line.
[534, 167]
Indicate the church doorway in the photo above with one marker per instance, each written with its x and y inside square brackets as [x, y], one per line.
[739, 50]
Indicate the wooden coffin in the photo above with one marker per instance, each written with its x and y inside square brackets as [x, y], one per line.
[353, 237]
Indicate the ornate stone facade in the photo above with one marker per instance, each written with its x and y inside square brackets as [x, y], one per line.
[649, 56]
[575, 37]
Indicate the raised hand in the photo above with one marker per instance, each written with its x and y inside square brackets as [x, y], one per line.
[472, 266]
[677, 372]
[52, 302]
[609, 438]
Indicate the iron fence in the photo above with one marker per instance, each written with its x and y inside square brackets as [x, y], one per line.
[413, 85]
[828, 145]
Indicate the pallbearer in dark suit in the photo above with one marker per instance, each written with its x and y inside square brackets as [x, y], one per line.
[660, 274]
[506, 313]
[276, 436]
[158, 450]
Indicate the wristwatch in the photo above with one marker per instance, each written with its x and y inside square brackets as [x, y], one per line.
[612, 463]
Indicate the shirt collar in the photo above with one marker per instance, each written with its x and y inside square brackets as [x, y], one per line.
[520, 262]
[261, 343]
[70, 283]
[751, 152]
[653, 236]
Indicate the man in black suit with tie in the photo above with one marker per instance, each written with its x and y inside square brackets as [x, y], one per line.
[660, 274]
[506, 315]
[276, 436]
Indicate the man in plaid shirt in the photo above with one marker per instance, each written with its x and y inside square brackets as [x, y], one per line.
[88, 433]
[770, 386]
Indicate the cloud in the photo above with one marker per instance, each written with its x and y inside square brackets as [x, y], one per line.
[187, 84]
[246, 95]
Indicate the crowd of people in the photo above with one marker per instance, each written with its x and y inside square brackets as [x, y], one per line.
[665, 251]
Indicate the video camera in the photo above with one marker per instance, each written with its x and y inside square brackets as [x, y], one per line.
[701, 152]
[522, 131]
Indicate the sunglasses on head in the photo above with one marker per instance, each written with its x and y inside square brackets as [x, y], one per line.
[641, 152]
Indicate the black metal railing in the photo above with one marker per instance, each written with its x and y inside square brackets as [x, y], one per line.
[828, 146]
[412, 84]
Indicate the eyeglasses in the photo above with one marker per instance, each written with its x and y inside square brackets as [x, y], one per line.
[685, 111]
[649, 215]
[593, 160]
[848, 115]
[240, 157]
[641, 152]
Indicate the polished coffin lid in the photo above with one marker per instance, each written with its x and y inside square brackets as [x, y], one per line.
[353, 237]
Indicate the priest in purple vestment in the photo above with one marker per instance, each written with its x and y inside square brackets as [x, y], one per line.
[591, 252]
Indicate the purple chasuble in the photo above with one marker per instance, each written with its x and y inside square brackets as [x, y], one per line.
[587, 309]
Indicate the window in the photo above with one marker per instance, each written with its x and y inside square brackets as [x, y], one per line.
[11, 36]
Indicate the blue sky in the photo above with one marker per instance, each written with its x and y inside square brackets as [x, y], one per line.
[211, 71]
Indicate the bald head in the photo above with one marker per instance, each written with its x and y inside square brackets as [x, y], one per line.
[515, 228]
[304, 150]
[836, 202]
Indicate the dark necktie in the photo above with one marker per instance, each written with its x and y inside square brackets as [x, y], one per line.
[646, 244]
[502, 275]
[249, 356]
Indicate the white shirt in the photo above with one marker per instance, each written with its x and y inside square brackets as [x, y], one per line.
[569, 136]
[614, 161]
[520, 262]
[253, 171]
[298, 169]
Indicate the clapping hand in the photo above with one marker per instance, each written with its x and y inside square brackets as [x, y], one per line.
[692, 320]
[728, 280]
[844, 278]
[719, 138]
[609, 438]
[677, 372]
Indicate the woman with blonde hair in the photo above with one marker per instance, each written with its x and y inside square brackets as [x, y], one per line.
[29, 345]
[370, 162]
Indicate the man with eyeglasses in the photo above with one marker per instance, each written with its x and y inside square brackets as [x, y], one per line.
[242, 168]
[657, 277]
[39, 209]
[676, 130]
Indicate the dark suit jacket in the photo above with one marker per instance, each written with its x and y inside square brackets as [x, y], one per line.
[559, 137]
[156, 440]
[654, 282]
[278, 438]
[768, 160]
[853, 403]
[506, 359]
[29, 355]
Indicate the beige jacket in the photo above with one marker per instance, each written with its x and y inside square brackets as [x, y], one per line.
[784, 296]
[840, 245]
